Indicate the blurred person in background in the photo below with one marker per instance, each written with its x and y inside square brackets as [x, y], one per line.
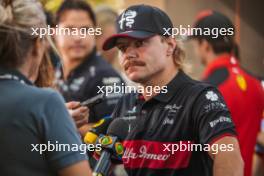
[84, 71]
[46, 78]
[258, 158]
[106, 17]
[31, 115]
[242, 92]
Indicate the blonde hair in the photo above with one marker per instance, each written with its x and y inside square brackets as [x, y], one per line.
[178, 54]
[17, 20]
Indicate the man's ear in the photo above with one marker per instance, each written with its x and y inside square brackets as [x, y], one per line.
[171, 45]
[206, 46]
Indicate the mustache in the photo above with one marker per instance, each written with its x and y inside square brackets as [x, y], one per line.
[130, 63]
[77, 46]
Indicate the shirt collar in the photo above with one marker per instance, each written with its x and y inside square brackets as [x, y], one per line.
[173, 86]
[225, 60]
[16, 74]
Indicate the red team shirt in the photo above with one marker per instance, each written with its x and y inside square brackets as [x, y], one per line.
[244, 97]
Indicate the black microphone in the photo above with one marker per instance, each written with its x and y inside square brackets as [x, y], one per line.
[117, 131]
[93, 101]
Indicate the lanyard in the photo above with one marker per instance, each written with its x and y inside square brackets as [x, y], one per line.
[11, 77]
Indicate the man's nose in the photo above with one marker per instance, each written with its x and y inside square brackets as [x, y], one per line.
[131, 52]
[76, 37]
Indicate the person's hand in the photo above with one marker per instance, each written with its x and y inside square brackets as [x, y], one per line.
[80, 114]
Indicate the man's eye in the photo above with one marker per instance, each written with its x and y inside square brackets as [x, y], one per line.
[122, 48]
[139, 43]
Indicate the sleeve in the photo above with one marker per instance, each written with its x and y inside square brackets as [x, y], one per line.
[110, 84]
[60, 134]
[212, 117]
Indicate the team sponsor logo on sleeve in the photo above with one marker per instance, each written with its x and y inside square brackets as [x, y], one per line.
[221, 119]
[241, 82]
[215, 106]
[210, 95]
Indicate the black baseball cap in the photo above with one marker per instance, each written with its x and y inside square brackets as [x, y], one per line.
[211, 19]
[139, 22]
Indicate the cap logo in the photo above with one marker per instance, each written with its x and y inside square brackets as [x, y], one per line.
[127, 18]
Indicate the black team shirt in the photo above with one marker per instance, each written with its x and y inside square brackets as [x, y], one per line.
[190, 113]
[87, 80]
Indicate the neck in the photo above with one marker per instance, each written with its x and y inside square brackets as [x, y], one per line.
[69, 65]
[25, 70]
[160, 80]
[214, 56]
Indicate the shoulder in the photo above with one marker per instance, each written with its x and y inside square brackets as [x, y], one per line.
[46, 93]
[218, 76]
[102, 70]
[39, 97]
[195, 88]
[125, 103]
[198, 94]
[103, 66]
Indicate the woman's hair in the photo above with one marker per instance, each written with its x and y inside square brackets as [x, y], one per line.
[18, 18]
[46, 74]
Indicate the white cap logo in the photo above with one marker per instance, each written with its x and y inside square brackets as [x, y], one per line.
[127, 18]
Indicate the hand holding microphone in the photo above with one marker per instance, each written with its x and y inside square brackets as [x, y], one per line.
[98, 128]
[80, 114]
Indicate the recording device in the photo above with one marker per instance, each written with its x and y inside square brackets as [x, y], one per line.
[93, 101]
[117, 131]
[98, 128]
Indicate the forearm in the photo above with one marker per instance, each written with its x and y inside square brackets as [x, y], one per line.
[228, 163]
[228, 167]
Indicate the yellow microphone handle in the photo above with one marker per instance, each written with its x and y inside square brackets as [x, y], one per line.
[90, 138]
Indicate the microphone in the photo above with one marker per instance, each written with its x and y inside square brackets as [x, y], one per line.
[117, 131]
[99, 128]
[93, 101]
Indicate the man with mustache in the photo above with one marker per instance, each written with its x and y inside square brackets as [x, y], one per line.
[84, 70]
[189, 113]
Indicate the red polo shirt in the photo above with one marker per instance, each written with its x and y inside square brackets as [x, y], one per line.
[244, 97]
